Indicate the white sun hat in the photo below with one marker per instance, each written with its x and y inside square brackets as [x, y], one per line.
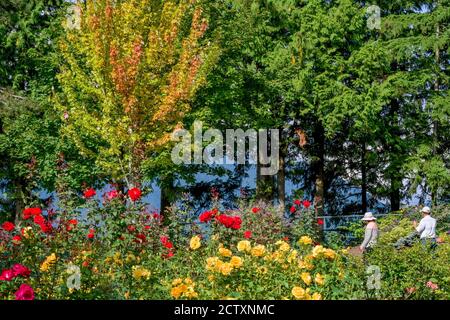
[368, 216]
[426, 210]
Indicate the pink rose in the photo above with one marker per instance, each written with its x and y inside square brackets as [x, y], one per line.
[20, 270]
[7, 275]
[432, 286]
[25, 292]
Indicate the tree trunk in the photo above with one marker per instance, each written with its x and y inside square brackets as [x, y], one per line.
[363, 179]
[19, 199]
[318, 166]
[281, 180]
[437, 54]
[166, 195]
[395, 197]
[264, 183]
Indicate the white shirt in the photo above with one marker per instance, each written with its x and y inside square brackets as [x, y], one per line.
[427, 227]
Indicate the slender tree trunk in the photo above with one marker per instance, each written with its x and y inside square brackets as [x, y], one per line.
[395, 161]
[264, 183]
[166, 195]
[395, 197]
[19, 199]
[363, 179]
[319, 165]
[281, 180]
[437, 54]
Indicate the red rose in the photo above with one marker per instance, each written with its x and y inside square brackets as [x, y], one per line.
[206, 216]
[247, 234]
[20, 270]
[39, 219]
[46, 227]
[91, 234]
[320, 222]
[131, 228]
[16, 239]
[140, 238]
[134, 194]
[73, 221]
[286, 238]
[166, 243]
[297, 202]
[306, 204]
[156, 216]
[292, 209]
[89, 193]
[29, 212]
[236, 224]
[85, 264]
[25, 292]
[7, 275]
[8, 226]
[168, 255]
[147, 227]
[255, 210]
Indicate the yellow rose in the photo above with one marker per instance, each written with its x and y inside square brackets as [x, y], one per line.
[258, 251]
[284, 246]
[176, 292]
[224, 252]
[140, 272]
[316, 296]
[305, 240]
[329, 253]
[292, 256]
[211, 263]
[236, 262]
[317, 250]
[195, 242]
[177, 281]
[298, 292]
[244, 245]
[48, 262]
[319, 279]
[305, 265]
[226, 268]
[306, 277]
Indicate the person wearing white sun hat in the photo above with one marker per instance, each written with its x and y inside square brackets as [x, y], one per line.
[371, 232]
[426, 227]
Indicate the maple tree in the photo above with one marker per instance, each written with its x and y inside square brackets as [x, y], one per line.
[131, 69]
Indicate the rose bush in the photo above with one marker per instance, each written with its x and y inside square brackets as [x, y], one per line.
[114, 248]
